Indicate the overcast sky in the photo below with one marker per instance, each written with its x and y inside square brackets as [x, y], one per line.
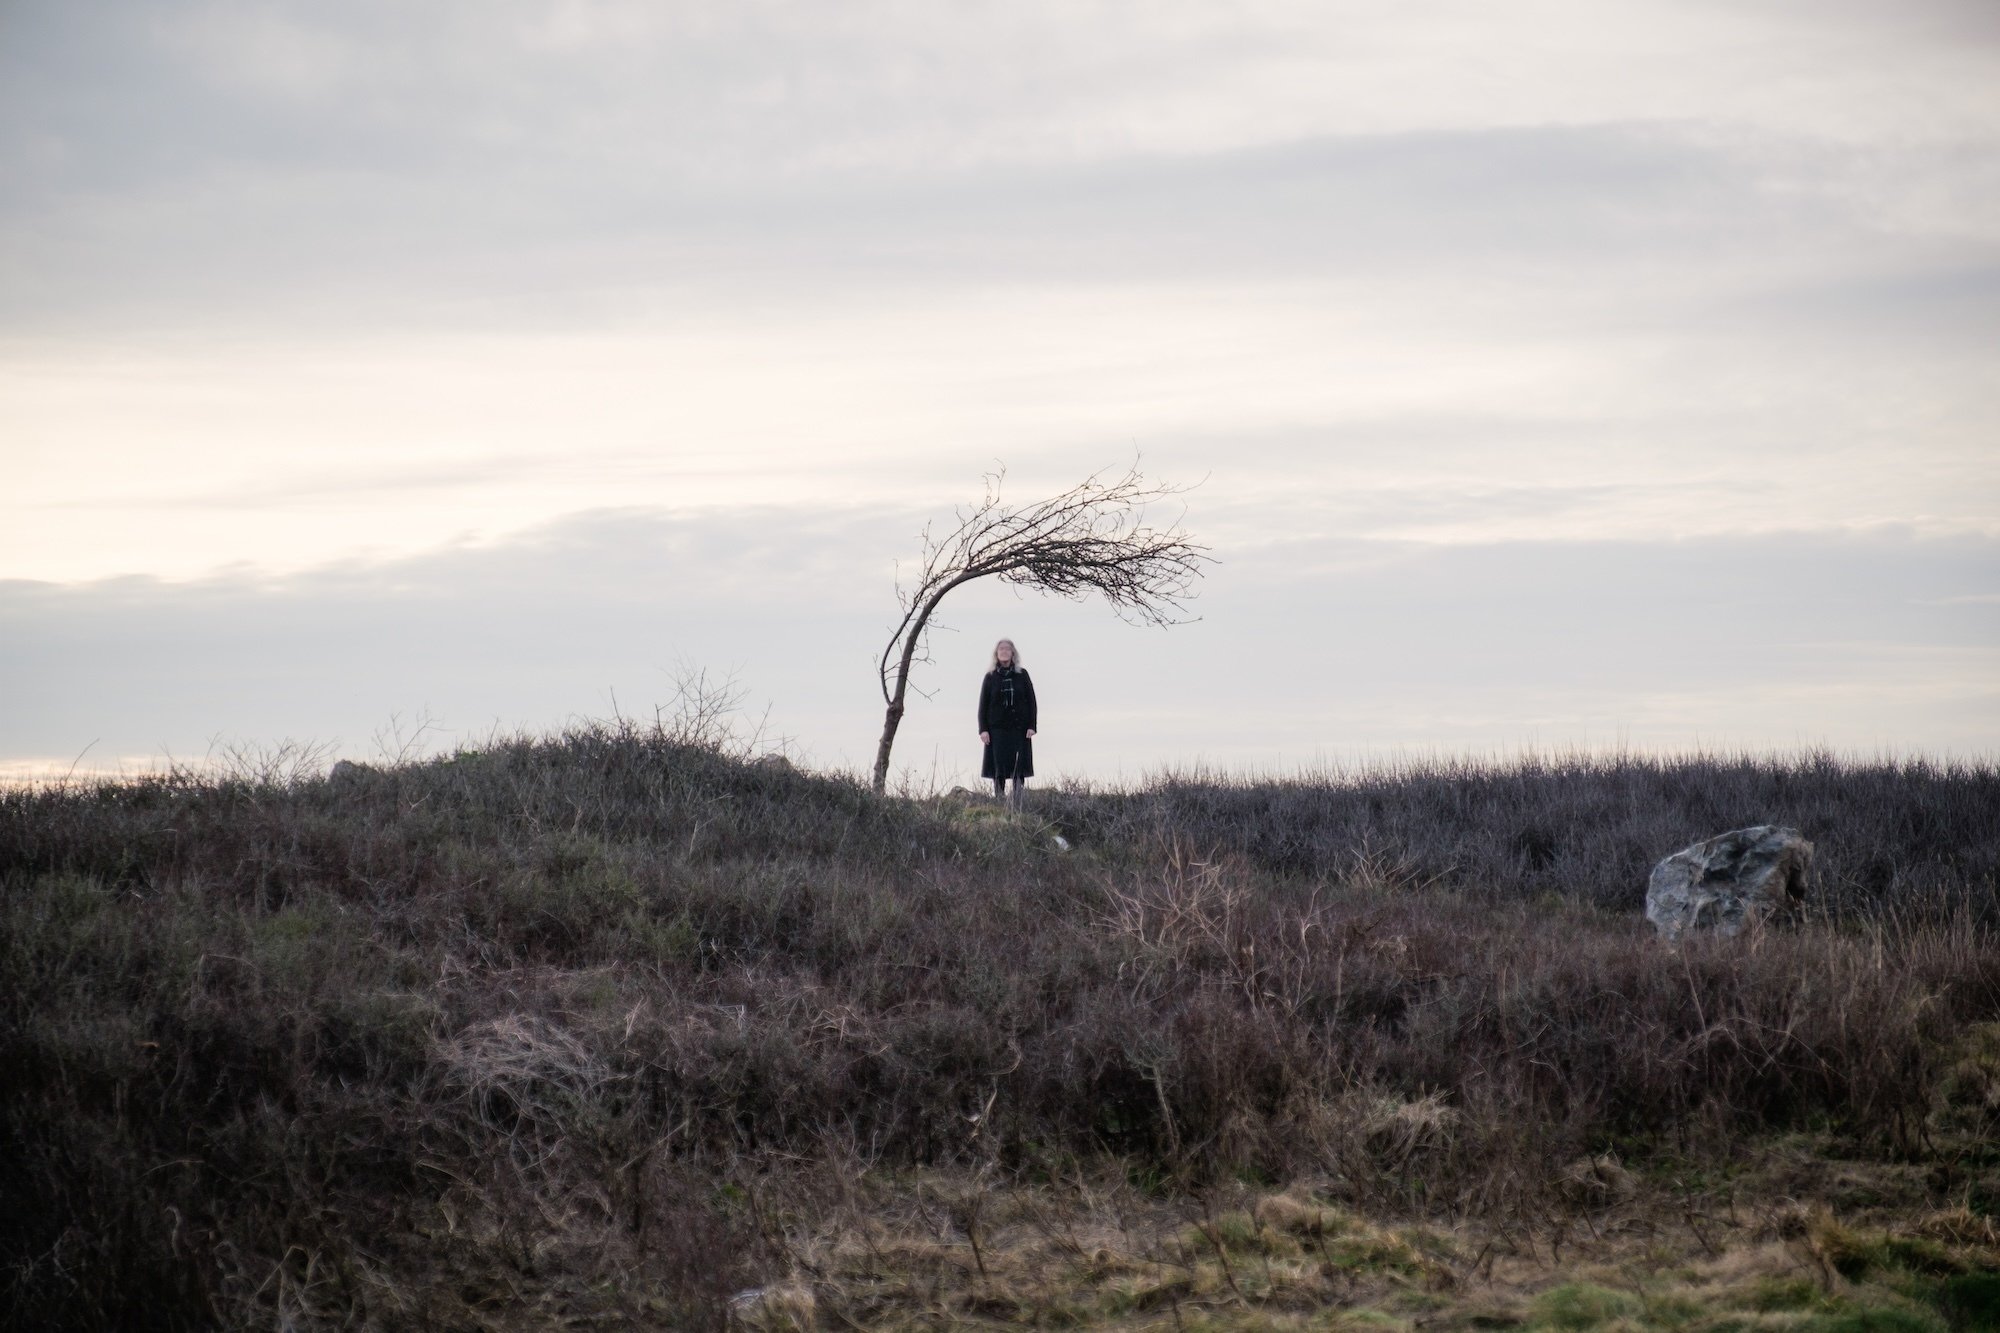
[1554, 374]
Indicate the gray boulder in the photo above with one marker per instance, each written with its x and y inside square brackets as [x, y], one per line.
[1731, 881]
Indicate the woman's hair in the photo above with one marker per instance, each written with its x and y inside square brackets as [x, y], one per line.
[995, 664]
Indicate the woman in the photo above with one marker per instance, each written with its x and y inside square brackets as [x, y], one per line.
[1007, 721]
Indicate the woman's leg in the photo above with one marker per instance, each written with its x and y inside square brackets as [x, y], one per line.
[999, 788]
[1018, 781]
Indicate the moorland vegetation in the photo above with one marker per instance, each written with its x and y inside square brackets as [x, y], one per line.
[612, 1027]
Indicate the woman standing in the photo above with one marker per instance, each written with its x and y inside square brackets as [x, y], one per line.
[1007, 722]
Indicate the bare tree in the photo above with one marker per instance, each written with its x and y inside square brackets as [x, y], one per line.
[1091, 538]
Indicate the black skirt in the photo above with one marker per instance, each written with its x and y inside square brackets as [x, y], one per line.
[1010, 754]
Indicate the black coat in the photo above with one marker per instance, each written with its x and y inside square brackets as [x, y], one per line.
[1009, 753]
[992, 717]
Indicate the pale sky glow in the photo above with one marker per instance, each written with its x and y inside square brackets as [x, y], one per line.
[1560, 373]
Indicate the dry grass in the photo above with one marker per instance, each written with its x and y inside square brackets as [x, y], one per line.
[617, 1027]
[898, 1251]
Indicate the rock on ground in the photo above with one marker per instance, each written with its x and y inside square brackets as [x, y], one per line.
[1732, 880]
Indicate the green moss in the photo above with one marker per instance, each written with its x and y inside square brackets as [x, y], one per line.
[1670, 1310]
[1377, 1253]
[1238, 1231]
[1580, 1305]
[1783, 1293]
[1732, 1324]
[1873, 1319]
[1970, 1302]
[1859, 1254]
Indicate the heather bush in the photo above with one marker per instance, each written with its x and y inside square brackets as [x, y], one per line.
[1910, 835]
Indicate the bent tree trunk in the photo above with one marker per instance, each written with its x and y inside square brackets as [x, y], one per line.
[894, 717]
[890, 721]
[1091, 538]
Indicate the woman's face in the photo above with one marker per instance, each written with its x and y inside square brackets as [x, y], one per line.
[1005, 652]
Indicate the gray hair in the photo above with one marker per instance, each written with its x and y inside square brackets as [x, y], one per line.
[994, 665]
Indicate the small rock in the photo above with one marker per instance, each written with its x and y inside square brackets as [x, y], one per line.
[346, 770]
[773, 763]
[1731, 881]
[1059, 842]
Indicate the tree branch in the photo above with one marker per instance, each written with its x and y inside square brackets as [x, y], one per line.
[1092, 538]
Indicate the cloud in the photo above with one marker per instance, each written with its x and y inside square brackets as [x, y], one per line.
[1556, 372]
[1317, 646]
[383, 165]
[784, 86]
[1672, 219]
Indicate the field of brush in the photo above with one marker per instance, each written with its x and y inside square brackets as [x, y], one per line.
[618, 1030]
